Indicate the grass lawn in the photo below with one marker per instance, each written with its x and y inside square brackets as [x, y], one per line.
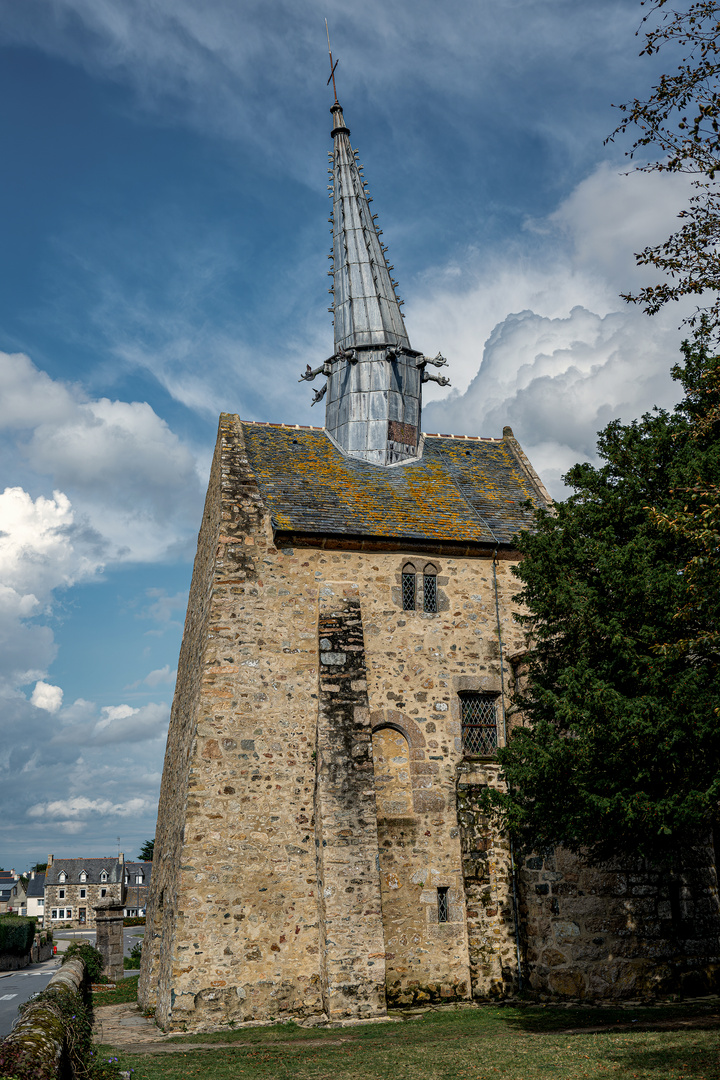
[125, 990]
[489, 1043]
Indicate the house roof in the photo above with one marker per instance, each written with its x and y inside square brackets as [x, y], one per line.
[131, 869]
[92, 867]
[36, 886]
[462, 490]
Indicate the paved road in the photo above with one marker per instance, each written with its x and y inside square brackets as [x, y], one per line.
[18, 986]
[131, 935]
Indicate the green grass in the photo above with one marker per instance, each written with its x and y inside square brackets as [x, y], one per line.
[126, 990]
[490, 1043]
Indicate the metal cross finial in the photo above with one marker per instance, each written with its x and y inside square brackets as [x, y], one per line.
[332, 66]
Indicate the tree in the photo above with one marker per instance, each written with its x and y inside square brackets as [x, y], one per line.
[147, 850]
[680, 120]
[39, 867]
[621, 748]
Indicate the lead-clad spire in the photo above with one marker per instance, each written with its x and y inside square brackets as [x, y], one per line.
[374, 378]
[366, 307]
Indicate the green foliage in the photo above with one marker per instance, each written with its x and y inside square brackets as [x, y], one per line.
[133, 960]
[621, 752]
[92, 958]
[134, 920]
[16, 935]
[64, 1014]
[679, 121]
[39, 867]
[147, 851]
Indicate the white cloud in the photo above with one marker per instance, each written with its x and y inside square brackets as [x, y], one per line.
[161, 675]
[79, 806]
[46, 696]
[134, 486]
[570, 357]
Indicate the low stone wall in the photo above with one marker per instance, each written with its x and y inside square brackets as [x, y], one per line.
[620, 930]
[36, 1047]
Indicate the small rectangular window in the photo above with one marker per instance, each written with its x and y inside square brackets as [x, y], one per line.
[103, 892]
[443, 904]
[429, 592]
[68, 913]
[408, 591]
[61, 894]
[479, 725]
[53, 913]
[83, 893]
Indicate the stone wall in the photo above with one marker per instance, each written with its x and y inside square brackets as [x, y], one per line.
[73, 900]
[619, 930]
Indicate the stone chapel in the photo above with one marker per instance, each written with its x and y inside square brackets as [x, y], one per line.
[343, 684]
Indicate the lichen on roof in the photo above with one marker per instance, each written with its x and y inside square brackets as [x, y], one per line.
[461, 490]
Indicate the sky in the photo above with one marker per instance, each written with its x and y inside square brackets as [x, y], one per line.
[164, 243]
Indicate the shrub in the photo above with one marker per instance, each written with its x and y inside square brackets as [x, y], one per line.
[16, 935]
[134, 920]
[92, 957]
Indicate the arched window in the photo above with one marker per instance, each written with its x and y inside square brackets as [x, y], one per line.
[409, 587]
[391, 765]
[430, 597]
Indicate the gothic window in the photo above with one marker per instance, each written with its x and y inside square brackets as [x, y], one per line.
[443, 902]
[430, 589]
[479, 725]
[408, 588]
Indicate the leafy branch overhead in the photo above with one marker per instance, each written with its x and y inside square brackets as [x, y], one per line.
[679, 121]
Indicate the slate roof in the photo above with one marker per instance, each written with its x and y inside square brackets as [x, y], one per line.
[92, 867]
[462, 490]
[131, 869]
[36, 886]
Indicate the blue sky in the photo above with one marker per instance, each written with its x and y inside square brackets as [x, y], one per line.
[164, 257]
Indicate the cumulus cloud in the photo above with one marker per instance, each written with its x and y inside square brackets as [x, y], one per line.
[46, 696]
[570, 356]
[133, 485]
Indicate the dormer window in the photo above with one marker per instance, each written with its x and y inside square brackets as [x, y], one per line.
[83, 876]
[104, 875]
[139, 878]
[62, 876]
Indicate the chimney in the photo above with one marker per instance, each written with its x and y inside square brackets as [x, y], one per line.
[121, 858]
[50, 861]
[32, 875]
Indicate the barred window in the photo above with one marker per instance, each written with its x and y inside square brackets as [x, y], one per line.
[408, 590]
[429, 591]
[443, 904]
[479, 725]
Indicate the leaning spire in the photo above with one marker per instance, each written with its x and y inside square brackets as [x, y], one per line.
[374, 382]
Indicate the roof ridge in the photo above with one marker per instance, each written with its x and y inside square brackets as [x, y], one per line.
[318, 427]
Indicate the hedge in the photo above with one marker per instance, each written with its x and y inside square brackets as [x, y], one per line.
[16, 936]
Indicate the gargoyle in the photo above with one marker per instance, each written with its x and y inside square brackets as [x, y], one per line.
[436, 361]
[319, 395]
[441, 380]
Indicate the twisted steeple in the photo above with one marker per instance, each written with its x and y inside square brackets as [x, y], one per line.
[373, 406]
